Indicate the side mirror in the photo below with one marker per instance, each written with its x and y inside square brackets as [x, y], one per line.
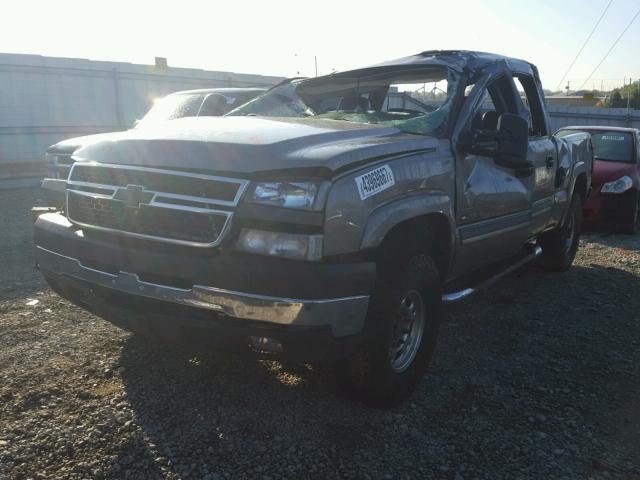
[513, 141]
[508, 145]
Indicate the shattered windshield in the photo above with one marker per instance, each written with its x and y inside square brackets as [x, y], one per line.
[416, 100]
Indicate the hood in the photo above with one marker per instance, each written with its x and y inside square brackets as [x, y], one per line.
[606, 171]
[70, 145]
[254, 145]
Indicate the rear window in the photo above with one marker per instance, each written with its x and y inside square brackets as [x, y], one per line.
[609, 146]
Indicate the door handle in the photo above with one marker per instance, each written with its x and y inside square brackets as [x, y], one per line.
[549, 161]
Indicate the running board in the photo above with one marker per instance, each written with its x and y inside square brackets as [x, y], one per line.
[452, 297]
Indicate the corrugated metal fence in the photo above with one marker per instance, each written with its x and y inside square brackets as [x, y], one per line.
[561, 116]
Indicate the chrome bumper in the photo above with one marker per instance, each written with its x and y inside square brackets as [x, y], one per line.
[344, 315]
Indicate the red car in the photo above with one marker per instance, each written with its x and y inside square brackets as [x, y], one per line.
[615, 195]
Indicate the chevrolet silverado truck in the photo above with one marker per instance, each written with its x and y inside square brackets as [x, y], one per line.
[328, 219]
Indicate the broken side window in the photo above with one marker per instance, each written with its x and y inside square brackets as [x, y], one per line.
[497, 98]
[529, 95]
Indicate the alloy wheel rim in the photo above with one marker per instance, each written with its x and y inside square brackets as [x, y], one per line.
[407, 332]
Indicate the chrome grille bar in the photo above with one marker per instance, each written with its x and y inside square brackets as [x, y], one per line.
[150, 213]
[240, 183]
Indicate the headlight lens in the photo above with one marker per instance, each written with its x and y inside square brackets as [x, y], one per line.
[288, 245]
[51, 161]
[301, 195]
[58, 165]
[617, 186]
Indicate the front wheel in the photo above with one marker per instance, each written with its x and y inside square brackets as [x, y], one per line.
[400, 335]
[559, 246]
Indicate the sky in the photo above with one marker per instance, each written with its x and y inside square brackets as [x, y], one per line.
[281, 37]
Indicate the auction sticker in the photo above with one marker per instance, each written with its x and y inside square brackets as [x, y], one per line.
[375, 181]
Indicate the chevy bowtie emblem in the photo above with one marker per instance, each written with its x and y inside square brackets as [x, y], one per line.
[133, 195]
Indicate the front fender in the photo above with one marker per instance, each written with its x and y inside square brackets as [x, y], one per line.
[575, 154]
[387, 216]
[579, 169]
[422, 181]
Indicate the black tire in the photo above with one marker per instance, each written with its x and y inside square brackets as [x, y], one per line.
[560, 245]
[372, 375]
[631, 223]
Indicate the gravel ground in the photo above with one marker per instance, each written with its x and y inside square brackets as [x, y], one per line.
[536, 377]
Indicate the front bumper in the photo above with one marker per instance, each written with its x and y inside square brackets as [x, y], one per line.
[248, 293]
[607, 207]
[344, 315]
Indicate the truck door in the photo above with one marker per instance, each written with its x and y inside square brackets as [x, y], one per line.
[492, 201]
[542, 152]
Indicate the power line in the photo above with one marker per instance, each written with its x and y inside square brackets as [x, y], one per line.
[612, 47]
[584, 45]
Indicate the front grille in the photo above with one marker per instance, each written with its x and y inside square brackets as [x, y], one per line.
[162, 205]
[92, 210]
[177, 183]
[63, 159]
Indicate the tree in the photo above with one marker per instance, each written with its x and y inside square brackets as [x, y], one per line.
[615, 100]
[627, 95]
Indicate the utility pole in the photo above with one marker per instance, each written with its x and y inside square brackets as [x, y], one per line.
[315, 60]
[629, 92]
[568, 87]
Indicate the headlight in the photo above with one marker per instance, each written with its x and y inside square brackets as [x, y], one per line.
[301, 195]
[617, 186]
[288, 245]
[58, 165]
[51, 161]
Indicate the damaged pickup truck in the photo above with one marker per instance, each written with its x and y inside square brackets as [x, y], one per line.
[327, 219]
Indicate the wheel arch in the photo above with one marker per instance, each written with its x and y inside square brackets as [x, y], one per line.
[430, 231]
[581, 187]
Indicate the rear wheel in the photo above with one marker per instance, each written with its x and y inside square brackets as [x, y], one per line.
[631, 224]
[400, 334]
[559, 246]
